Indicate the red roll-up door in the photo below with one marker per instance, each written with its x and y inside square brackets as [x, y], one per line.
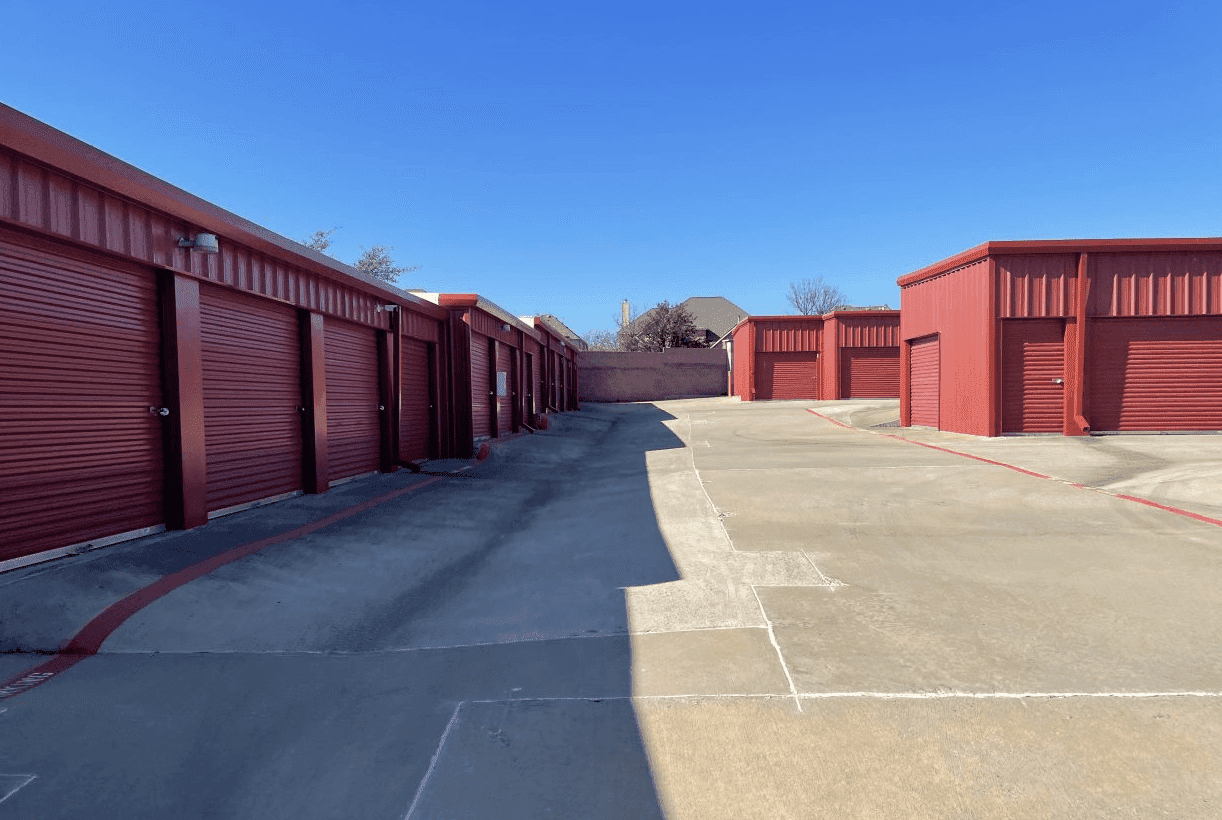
[1155, 374]
[924, 385]
[504, 389]
[870, 372]
[353, 429]
[415, 417]
[481, 389]
[787, 375]
[1032, 376]
[252, 389]
[80, 366]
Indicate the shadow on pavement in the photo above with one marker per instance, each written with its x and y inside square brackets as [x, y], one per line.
[458, 652]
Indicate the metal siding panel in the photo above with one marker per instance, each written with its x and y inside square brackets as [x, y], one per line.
[481, 402]
[353, 437]
[1033, 355]
[787, 375]
[926, 382]
[31, 194]
[1036, 285]
[79, 369]
[415, 418]
[252, 390]
[1155, 374]
[870, 372]
[1155, 284]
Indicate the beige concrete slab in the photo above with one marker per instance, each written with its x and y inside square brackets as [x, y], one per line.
[944, 758]
[707, 662]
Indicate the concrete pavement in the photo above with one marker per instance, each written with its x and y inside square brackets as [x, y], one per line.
[696, 609]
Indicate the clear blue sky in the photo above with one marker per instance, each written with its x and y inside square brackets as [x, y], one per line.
[560, 157]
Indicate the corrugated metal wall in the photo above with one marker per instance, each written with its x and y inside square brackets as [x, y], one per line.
[80, 361]
[1155, 284]
[958, 306]
[742, 362]
[1038, 285]
[44, 199]
[787, 336]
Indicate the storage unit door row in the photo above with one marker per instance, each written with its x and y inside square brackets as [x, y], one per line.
[82, 424]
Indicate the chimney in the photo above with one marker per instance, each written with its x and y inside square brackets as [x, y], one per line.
[624, 314]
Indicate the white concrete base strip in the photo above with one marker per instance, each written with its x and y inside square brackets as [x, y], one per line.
[11, 783]
[772, 639]
[432, 763]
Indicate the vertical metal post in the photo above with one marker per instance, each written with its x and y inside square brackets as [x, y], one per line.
[186, 464]
[313, 402]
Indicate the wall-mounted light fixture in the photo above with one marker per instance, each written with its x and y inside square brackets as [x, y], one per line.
[505, 327]
[203, 243]
[386, 308]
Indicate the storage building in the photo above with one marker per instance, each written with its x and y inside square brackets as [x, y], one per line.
[840, 355]
[1065, 336]
[164, 361]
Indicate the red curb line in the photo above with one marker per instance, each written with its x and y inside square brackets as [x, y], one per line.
[1146, 501]
[89, 640]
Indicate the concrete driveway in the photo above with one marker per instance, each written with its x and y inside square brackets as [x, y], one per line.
[695, 609]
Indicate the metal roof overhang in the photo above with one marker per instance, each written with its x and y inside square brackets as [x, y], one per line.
[58, 150]
[1012, 247]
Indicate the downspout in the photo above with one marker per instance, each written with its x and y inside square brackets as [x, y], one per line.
[1079, 386]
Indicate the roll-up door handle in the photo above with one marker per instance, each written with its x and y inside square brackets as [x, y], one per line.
[1058, 381]
[381, 407]
[160, 411]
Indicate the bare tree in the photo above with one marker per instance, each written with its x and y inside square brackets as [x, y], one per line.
[319, 240]
[376, 262]
[814, 297]
[661, 327]
[603, 340]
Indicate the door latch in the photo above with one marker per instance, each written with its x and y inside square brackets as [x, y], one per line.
[1058, 381]
[160, 411]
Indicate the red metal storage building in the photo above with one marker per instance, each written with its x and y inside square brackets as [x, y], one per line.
[840, 355]
[506, 371]
[147, 385]
[1065, 336]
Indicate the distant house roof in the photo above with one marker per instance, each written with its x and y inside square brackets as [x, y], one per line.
[715, 315]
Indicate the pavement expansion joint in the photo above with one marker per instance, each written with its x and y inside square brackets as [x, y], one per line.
[780, 656]
[433, 762]
[827, 580]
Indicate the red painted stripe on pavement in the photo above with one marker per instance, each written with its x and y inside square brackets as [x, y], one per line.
[1196, 516]
[89, 640]
[1175, 510]
[832, 420]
